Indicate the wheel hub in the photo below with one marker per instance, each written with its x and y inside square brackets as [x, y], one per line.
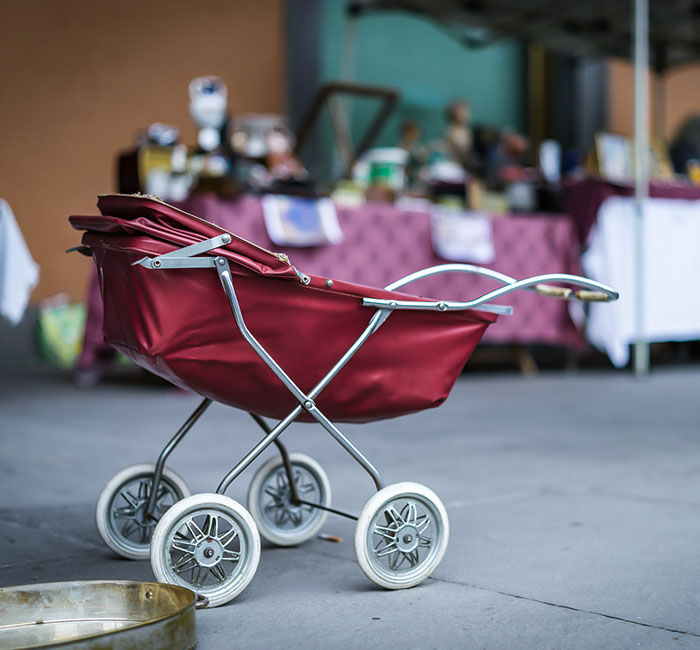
[407, 538]
[140, 514]
[286, 508]
[285, 496]
[208, 552]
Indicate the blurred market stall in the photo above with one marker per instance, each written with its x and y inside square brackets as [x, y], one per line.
[662, 34]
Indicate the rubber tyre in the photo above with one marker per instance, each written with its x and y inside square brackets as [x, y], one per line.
[365, 543]
[112, 538]
[199, 505]
[286, 536]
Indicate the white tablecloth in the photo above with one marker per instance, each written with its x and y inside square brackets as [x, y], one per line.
[671, 277]
[19, 273]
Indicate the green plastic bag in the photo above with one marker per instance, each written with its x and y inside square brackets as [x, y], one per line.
[60, 331]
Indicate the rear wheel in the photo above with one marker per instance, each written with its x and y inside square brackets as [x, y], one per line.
[279, 520]
[121, 507]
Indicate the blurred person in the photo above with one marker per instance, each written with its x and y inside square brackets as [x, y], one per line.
[686, 145]
[458, 134]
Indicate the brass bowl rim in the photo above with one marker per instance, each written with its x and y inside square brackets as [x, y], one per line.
[191, 599]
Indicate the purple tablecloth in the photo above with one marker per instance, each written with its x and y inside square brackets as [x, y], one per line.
[584, 198]
[382, 243]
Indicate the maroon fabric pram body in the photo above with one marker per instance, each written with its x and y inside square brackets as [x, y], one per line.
[178, 324]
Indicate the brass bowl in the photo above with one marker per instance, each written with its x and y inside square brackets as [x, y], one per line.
[98, 614]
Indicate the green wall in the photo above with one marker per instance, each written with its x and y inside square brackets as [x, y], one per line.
[428, 67]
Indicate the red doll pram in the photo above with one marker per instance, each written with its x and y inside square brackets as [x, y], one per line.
[299, 347]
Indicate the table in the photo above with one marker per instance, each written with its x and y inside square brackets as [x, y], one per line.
[583, 198]
[383, 243]
[672, 266]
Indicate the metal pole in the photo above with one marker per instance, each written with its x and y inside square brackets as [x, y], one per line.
[641, 172]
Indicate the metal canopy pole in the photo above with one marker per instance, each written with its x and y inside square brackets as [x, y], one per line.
[641, 172]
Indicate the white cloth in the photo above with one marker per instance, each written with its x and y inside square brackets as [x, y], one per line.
[19, 273]
[462, 236]
[671, 282]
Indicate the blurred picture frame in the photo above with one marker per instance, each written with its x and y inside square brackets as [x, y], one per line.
[660, 166]
[613, 156]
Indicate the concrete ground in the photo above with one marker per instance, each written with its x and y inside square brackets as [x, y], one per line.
[574, 503]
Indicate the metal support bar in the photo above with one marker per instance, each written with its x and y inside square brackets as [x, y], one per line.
[305, 401]
[174, 441]
[348, 446]
[177, 262]
[374, 324]
[335, 511]
[288, 469]
[285, 458]
[257, 450]
[224, 271]
[183, 257]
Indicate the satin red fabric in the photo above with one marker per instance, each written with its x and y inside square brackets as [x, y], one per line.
[178, 324]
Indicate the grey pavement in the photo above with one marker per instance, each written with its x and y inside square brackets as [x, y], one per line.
[574, 504]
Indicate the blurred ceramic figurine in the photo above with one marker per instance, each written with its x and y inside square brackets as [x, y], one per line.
[458, 135]
[265, 144]
[410, 132]
[208, 105]
[281, 162]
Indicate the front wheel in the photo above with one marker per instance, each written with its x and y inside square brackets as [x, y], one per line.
[208, 543]
[401, 535]
[121, 507]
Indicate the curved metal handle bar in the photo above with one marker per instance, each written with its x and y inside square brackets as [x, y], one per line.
[443, 305]
[450, 268]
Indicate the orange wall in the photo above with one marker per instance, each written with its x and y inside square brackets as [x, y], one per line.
[79, 79]
[682, 96]
[677, 95]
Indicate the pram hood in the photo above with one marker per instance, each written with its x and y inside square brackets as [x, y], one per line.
[128, 214]
[178, 324]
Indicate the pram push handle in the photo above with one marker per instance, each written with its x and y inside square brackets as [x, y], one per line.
[591, 290]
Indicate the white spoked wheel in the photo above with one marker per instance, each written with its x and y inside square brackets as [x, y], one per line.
[401, 535]
[121, 506]
[208, 543]
[279, 520]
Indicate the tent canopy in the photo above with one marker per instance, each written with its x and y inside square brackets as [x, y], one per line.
[594, 27]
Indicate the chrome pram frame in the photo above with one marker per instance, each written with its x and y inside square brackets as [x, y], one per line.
[168, 527]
